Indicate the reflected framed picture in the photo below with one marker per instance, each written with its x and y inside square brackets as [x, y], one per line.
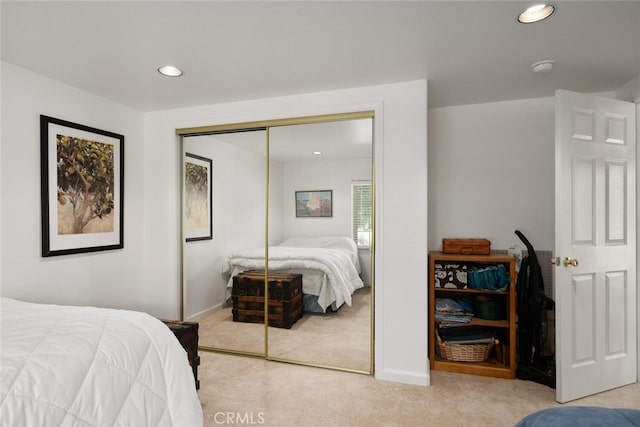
[314, 204]
[198, 197]
[82, 188]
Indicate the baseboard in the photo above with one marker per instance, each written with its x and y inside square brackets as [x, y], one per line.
[404, 377]
[196, 317]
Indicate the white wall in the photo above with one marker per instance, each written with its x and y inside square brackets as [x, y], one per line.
[276, 203]
[110, 278]
[401, 258]
[239, 182]
[491, 171]
[630, 91]
[335, 175]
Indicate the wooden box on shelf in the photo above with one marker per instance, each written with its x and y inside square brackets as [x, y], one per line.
[501, 362]
[466, 246]
[285, 298]
[187, 335]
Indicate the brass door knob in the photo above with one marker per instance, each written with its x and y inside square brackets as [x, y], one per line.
[570, 261]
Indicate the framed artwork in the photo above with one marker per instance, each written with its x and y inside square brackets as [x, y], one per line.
[314, 203]
[198, 197]
[82, 188]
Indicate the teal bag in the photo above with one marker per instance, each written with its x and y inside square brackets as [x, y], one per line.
[491, 278]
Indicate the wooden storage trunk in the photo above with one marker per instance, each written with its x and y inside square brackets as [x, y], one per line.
[187, 334]
[285, 298]
[466, 246]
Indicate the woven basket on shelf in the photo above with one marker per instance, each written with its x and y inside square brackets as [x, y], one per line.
[464, 352]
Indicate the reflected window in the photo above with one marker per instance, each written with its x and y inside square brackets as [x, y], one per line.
[361, 213]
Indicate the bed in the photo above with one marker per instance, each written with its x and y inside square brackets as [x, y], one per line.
[86, 366]
[329, 266]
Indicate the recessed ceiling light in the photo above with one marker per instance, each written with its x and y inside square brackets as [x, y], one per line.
[316, 153]
[536, 13]
[543, 66]
[170, 71]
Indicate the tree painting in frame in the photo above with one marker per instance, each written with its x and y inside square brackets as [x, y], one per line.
[198, 196]
[82, 188]
[314, 203]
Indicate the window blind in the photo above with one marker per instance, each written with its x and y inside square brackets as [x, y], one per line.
[362, 212]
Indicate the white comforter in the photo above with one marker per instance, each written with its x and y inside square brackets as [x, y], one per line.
[346, 244]
[337, 264]
[85, 366]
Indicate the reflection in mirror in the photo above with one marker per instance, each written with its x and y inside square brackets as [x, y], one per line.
[319, 241]
[320, 227]
[239, 181]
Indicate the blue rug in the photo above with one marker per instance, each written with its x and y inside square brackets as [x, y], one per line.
[582, 416]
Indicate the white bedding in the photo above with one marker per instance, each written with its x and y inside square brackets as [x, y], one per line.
[346, 244]
[85, 366]
[335, 258]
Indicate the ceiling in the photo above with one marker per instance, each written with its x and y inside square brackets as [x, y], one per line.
[469, 51]
[337, 140]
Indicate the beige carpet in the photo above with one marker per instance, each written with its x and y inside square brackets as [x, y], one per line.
[238, 390]
[339, 339]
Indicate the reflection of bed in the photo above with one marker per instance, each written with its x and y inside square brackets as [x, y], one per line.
[63, 365]
[329, 267]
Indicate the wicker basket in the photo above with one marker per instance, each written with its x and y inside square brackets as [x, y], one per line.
[464, 352]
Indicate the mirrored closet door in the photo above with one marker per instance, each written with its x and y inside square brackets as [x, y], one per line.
[317, 172]
[238, 200]
[298, 193]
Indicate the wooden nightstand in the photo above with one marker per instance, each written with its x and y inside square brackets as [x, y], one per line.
[187, 334]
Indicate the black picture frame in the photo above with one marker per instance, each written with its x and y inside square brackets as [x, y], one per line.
[314, 204]
[198, 197]
[82, 188]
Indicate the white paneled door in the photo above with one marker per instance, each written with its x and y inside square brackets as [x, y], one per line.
[595, 242]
